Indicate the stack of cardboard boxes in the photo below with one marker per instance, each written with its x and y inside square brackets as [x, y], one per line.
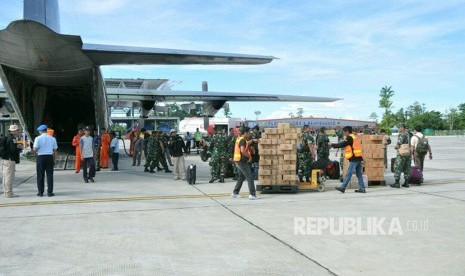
[373, 160]
[278, 155]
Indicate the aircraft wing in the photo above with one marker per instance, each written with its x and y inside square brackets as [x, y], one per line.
[192, 96]
[124, 55]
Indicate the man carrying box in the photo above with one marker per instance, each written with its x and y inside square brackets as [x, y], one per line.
[353, 153]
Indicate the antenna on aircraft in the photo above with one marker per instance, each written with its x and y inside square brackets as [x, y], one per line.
[205, 86]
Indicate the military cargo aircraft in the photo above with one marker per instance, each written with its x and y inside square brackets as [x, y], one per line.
[55, 78]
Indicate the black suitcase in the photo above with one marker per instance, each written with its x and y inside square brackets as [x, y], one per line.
[191, 174]
[393, 161]
[333, 170]
[320, 165]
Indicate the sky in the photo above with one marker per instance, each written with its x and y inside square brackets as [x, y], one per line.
[338, 48]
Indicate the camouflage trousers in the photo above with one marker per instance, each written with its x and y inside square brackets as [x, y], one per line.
[152, 161]
[162, 160]
[419, 160]
[402, 165]
[305, 164]
[218, 165]
[323, 155]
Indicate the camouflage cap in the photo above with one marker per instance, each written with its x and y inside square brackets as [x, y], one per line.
[401, 125]
[323, 129]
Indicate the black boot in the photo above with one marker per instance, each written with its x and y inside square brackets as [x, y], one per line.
[168, 171]
[152, 171]
[301, 179]
[212, 180]
[395, 185]
[340, 189]
[222, 179]
[146, 170]
[360, 190]
[405, 185]
[307, 179]
[159, 169]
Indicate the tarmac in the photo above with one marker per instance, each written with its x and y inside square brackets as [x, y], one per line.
[133, 223]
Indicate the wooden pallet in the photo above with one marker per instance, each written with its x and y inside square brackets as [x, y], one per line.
[277, 188]
[377, 183]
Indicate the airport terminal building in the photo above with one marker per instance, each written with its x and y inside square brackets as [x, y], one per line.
[313, 122]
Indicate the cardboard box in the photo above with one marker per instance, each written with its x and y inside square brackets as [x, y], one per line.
[265, 182]
[290, 177]
[291, 136]
[378, 155]
[271, 131]
[288, 147]
[374, 163]
[266, 152]
[289, 167]
[290, 157]
[375, 172]
[265, 141]
[375, 137]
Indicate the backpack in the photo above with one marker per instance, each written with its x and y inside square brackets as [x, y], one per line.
[3, 149]
[422, 146]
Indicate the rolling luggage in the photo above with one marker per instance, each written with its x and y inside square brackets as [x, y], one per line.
[393, 161]
[333, 170]
[191, 174]
[416, 176]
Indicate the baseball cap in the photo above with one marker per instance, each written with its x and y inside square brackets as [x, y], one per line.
[42, 128]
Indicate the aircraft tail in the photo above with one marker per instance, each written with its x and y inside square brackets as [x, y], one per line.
[45, 12]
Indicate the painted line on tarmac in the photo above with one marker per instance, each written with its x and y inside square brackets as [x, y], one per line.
[104, 200]
[268, 233]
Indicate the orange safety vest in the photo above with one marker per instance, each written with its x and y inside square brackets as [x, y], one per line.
[237, 149]
[354, 150]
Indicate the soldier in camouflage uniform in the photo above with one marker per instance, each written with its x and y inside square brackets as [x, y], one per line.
[403, 163]
[160, 157]
[254, 140]
[322, 146]
[151, 153]
[306, 154]
[220, 156]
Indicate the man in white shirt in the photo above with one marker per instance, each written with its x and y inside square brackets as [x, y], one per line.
[420, 147]
[45, 146]
[114, 148]
[87, 156]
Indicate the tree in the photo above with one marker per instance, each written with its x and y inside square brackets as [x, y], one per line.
[300, 112]
[227, 112]
[175, 110]
[374, 117]
[431, 119]
[385, 102]
[386, 95]
[291, 115]
[452, 118]
[461, 110]
[257, 113]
